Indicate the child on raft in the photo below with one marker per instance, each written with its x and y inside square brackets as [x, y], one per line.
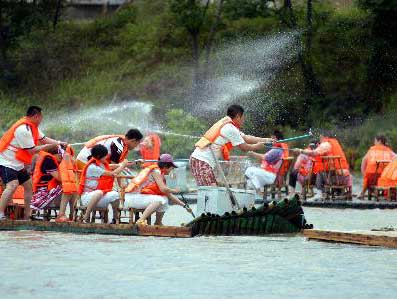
[149, 191]
[96, 182]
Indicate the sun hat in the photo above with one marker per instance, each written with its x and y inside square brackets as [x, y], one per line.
[167, 158]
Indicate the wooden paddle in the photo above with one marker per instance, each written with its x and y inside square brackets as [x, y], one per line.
[232, 198]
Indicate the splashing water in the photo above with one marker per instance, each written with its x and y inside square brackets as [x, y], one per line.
[116, 118]
[246, 66]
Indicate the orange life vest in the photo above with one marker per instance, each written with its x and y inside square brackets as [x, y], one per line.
[377, 153]
[38, 174]
[336, 150]
[284, 146]
[151, 153]
[389, 175]
[67, 171]
[306, 167]
[269, 167]
[153, 188]
[94, 141]
[21, 154]
[105, 183]
[213, 133]
[141, 178]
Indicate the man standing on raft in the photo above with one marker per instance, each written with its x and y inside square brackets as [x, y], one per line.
[221, 138]
[17, 147]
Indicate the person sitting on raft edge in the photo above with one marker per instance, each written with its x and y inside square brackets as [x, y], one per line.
[96, 182]
[149, 191]
[271, 162]
[218, 141]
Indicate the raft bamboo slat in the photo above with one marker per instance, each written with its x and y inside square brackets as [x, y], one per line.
[111, 229]
[345, 204]
[370, 238]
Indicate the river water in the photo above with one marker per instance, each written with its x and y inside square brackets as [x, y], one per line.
[57, 265]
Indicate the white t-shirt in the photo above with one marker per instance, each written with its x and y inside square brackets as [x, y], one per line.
[23, 138]
[94, 172]
[110, 143]
[229, 133]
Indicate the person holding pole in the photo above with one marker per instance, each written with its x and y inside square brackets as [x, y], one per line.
[218, 141]
[17, 147]
[118, 146]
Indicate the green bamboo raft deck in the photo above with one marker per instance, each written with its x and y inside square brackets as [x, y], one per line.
[285, 216]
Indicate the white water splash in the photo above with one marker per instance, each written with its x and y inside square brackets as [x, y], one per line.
[246, 66]
[115, 118]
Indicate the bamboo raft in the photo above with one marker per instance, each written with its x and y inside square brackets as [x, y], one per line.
[369, 238]
[95, 228]
[285, 216]
[355, 204]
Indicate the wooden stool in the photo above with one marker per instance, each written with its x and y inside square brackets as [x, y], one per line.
[386, 193]
[281, 181]
[333, 172]
[79, 209]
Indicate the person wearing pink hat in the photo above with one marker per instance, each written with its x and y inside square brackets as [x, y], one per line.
[153, 195]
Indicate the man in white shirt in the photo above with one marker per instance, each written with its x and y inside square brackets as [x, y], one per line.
[221, 138]
[118, 146]
[17, 147]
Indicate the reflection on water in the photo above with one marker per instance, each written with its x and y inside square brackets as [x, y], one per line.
[56, 265]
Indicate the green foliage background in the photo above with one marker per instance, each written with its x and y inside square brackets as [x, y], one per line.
[144, 51]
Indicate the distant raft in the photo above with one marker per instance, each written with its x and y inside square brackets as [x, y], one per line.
[285, 216]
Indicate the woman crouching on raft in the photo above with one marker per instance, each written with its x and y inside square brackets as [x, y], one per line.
[96, 182]
[153, 193]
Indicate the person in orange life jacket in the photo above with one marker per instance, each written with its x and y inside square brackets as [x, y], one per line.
[54, 181]
[118, 146]
[328, 147]
[150, 148]
[266, 175]
[153, 193]
[17, 147]
[302, 170]
[378, 152]
[96, 182]
[271, 162]
[221, 138]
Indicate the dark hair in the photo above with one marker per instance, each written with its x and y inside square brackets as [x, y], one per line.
[98, 152]
[381, 138]
[33, 110]
[278, 134]
[235, 110]
[134, 134]
[165, 165]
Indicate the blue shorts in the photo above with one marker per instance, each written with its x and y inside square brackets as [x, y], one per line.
[8, 174]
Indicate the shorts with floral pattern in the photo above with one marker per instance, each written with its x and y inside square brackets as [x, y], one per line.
[202, 172]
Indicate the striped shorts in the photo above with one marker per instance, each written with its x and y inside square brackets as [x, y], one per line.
[202, 172]
[42, 198]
